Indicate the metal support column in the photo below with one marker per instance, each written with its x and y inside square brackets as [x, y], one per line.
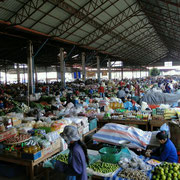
[30, 68]
[83, 67]
[18, 74]
[62, 67]
[132, 74]
[24, 72]
[46, 75]
[5, 71]
[140, 72]
[58, 74]
[36, 76]
[109, 62]
[122, 73]
[98, 69]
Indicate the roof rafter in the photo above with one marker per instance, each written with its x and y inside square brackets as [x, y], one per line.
[76, 16]
[27, 10]
[91, 18]
[109, 26]
[127, 32]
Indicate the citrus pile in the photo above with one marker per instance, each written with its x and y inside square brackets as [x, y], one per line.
[167, 171]
[103, 167]
[62, 158]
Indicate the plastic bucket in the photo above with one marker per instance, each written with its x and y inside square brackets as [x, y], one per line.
[110, 154]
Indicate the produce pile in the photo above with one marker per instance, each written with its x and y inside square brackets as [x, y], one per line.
[103, 167]
[167, 171]
[18, 138]
[132, 174]
[62, 158]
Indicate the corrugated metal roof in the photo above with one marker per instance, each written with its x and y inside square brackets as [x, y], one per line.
[114, 26]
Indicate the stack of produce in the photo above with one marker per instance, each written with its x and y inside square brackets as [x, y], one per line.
[62, 158]
[169, 114]
[103, 167]
[132, 174]
[167, 171]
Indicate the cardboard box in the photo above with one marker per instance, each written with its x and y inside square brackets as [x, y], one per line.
[16, 122]
[56, 144]
[31, 156]
[47, 150]
[8, 134]
[158, 117]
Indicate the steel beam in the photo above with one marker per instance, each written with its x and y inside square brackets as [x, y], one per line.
[83, 66]
[76, 15]
[27, 10]
[30, 68]
[42, 17]
[109, 68]
[18, 73]
[62, 68]
[92, 18]
[98, 69]
[127, 32]
[110, 25]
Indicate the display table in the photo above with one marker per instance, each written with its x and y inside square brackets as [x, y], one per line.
[28, 163]
[86, 134]
[101, 123]
[156, 123]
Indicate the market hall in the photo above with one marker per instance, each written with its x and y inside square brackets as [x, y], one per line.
[89, 89]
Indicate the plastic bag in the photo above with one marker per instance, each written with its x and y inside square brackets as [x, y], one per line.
[128, 105]
[48, 164]
[165, 127]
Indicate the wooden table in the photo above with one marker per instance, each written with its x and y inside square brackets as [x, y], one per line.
[125, 122]
[28, 163]
[156, 123]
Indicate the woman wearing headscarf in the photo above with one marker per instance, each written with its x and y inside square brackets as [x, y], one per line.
[77, 158]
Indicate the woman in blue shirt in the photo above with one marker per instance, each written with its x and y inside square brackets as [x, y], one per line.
[77, 158]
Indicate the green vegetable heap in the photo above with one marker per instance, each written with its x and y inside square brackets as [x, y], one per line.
[103, 167]
[62, 158]
[168, 171]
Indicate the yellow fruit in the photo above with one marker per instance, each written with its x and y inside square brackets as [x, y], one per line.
[175, 174]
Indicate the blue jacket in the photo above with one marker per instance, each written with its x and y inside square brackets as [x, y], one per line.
[167, 152]
[76, 163]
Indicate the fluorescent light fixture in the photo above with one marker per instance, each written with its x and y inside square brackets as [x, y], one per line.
[75, 56]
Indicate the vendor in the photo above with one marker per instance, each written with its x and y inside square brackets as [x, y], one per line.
[78, 157]
[101, 90]
[166, 152]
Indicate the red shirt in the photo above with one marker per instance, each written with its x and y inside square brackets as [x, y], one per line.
[101, 89]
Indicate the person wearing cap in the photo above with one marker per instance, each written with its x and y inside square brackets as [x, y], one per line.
[166, 152]
[77, 158]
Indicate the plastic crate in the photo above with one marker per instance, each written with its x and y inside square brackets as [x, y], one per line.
[31, 156]
[110, 154]
[92, 124]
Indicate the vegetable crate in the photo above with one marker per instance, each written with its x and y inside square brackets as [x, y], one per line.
[92, 124]
[31, 156]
